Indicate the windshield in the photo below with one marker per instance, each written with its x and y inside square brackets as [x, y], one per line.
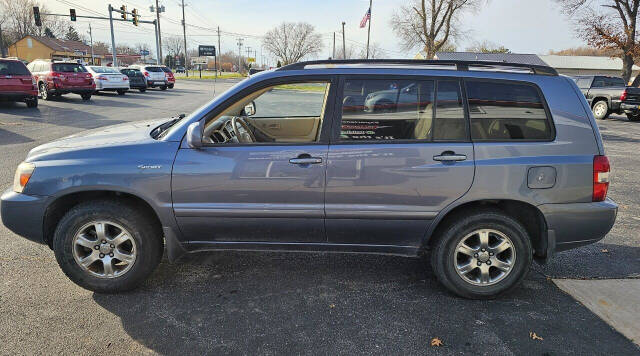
[166, 70]
[69, 68]
[104, 70]
[13, 68]
[132, 72]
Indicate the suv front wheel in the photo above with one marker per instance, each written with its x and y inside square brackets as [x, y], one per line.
[107, 246]
[482, 255]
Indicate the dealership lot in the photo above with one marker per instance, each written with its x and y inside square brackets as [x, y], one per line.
[232, 302]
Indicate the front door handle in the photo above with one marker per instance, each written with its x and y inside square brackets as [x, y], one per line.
[449, 156]
[306, 160]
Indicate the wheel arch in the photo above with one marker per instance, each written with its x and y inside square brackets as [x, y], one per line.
[62, 204]
[525, 213]
[601, 98]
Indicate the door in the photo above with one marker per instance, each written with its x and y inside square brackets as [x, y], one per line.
[400, 153]
[261, 175]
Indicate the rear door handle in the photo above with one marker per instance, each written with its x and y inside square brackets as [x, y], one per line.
[449, 156]
[306, 160]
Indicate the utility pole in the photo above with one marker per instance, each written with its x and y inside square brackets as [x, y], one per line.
[218, 52]
[155, 26]
[334, 45]
[1, 43]
[90, 42]
[184, 33]
[344, 46]
[248, 49]
[369, 29]
[240, 53]
[114, 61]
[159, 33]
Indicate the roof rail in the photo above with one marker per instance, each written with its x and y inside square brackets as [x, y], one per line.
[460, 65]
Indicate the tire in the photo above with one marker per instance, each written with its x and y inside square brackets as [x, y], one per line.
[122, 92]
[144, 235]
[170, 86]
[142, 90]
[633, 117]
[44, 91]
[163, 87]
[85, 97]
[600, 110]
[32, 102]
[445, 259]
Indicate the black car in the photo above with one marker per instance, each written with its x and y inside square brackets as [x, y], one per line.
[602, 93]
[136, 79]
[180, 69]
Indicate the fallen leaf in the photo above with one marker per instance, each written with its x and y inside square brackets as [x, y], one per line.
[436, 342]
[332, 306]
[534, 336]
[604, 250]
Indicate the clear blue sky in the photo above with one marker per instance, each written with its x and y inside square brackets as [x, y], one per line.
[525, 26]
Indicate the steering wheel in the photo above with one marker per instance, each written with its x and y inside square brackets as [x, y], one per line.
[244, 136]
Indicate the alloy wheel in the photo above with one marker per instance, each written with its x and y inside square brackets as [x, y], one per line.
[484, 257]
[104, 249]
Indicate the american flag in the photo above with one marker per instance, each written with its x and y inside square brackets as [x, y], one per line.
[366, 18]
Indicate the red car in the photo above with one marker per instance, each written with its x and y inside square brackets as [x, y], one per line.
[16, 83]
[55, 78]
[171, 80]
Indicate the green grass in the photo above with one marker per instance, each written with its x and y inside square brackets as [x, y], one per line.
[193, 75]
[320, 87]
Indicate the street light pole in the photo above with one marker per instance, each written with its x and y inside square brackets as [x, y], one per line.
[344, 46]
[240, 53]
[184, 33]
[369, 29]
[114, 61]
[90, 42]
[159, 33]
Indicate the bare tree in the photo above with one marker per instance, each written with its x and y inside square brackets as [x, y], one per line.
[607, 25]
[487, 47]
[173, 45]
[289, 42]
[375, 52]
[19, 20]
[350, 52]
[430, 24]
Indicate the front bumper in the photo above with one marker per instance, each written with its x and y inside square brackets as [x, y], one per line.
[23, 214]
[578, 224]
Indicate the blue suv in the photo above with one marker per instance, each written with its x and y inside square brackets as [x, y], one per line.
[485, 166]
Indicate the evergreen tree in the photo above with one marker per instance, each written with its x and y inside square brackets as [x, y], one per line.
[49, 33]
[72, 34]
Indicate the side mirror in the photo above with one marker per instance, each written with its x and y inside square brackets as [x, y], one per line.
[250, 109]
[194, 134]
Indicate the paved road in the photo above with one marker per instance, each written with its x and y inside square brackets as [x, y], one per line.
[277, 303]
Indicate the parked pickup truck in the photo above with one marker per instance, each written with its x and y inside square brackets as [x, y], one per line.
[630, 103]
[602, 92]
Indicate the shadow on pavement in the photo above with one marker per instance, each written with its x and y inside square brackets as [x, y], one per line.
[9, 138]
[616, 138]
[278, 303]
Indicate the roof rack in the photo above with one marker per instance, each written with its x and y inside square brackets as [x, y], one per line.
[460, 65]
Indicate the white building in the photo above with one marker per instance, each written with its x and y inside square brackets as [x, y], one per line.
[587, 65]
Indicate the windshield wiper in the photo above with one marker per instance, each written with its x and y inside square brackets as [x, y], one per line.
[160, 130]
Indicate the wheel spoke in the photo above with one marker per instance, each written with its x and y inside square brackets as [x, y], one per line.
[502, 246]
[89, 260]
[484, 238]
[124, 257]
[121, 238]
[501, 265]
[84, 242]
[464, 249]
[100, 233]
[108, 266]
[468, 267]
[484, 274]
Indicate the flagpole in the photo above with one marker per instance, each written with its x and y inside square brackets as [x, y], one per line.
[369, 30]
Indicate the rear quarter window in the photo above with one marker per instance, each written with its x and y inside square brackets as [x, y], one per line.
[13, 68]
[502, 111]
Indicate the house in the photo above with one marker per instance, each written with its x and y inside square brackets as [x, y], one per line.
[33, 47]
[587, 65]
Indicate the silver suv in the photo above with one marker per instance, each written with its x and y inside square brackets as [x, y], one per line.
[483, 166]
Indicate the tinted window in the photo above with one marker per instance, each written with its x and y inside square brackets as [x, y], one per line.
[13, 68]
[583, 83]
[602, 82]
[449, 123]
[131, 72]
[165, 69]
[506, 112]
[69, 68]
[154, 69]
[387, 110]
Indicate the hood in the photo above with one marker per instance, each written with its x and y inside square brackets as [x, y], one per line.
[110, 136]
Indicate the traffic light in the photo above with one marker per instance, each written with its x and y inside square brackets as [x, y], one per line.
[36, 16]
[72, 13]
[123, 14]
[134, 13]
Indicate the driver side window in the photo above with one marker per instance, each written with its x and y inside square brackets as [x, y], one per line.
[285, 113]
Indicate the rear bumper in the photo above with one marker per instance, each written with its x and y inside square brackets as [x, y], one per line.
[112, 86]
[82, 90]
[630, 108]
[578, 224]
[156, 83]
[23, 214]
[18, 95]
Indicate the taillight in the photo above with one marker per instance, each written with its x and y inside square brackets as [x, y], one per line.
[146, 74]
[101, 77]
[601, 169]
[623, 96]
[89, 76]
[55, 74]
[125, 78]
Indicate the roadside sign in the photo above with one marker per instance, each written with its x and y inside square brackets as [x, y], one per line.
[144, 52]
[199, 60]
[206, 50]
[251, 60]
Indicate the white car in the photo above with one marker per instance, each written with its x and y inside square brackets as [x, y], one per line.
[154, 74]
[109, 79]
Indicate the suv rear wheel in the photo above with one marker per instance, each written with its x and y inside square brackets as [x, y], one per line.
[32, 102]
[85, 96]
[633, 117]
[107, 246]
[43, 91]
[600, 110]
[482, 255]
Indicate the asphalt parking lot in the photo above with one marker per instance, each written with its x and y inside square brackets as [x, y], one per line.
[288, 303]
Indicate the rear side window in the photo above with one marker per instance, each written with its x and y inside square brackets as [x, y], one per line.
[603, 82]
[69, 68]
[502, 111]
[13, 68]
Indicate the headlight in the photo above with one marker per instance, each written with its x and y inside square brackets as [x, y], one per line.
[23, 174]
